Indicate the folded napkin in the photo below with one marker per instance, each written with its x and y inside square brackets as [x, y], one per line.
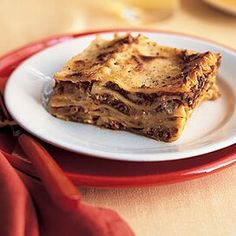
[87, 221]
[27, 209]
[17, 211]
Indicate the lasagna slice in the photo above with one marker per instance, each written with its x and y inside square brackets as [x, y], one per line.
[130, 83]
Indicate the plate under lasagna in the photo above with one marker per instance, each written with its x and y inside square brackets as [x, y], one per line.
[157, 108]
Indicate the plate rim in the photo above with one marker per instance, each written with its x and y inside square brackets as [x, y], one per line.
[103, 154]
[228, 159]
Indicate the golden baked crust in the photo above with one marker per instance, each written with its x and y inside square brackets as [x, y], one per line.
[137, 64]
[131, 83]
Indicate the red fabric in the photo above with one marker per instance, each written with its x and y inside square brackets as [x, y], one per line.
[20, 195]
[86, 221]
[17, 212]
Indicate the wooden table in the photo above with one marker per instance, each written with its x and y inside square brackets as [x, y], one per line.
[205, 206]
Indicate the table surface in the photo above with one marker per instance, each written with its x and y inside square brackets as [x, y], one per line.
[205, 206]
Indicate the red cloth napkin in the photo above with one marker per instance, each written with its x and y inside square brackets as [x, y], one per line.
[89, 221]
[27, 209]
[17, 212]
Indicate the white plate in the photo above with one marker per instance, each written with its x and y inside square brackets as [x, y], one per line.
[211, 127]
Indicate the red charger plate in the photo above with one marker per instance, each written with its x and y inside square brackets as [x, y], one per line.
[91, 171]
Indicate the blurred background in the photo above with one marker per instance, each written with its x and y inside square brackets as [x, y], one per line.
[23, 21]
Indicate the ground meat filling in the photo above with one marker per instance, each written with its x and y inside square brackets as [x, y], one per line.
[67, 87]
[166, 106]
[136, 97]
[160, 131]
[113, 102]
[148, 99]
